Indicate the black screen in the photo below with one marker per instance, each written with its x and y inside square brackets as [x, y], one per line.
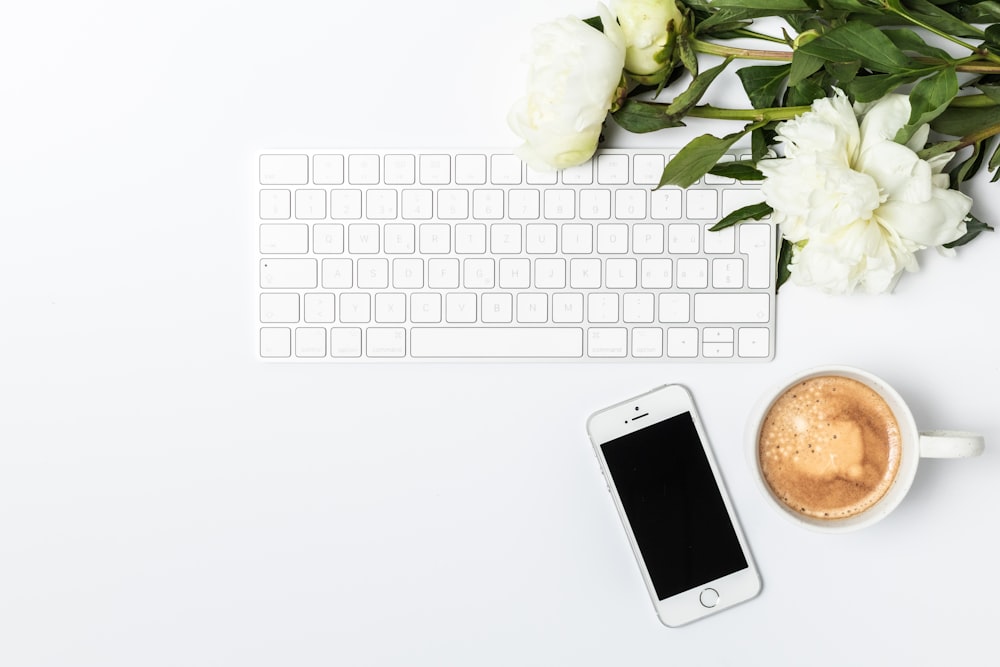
[674, 505]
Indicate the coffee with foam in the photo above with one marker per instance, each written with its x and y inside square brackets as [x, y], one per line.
[829, 447]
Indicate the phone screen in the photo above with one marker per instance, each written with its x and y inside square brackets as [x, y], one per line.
[674, 505]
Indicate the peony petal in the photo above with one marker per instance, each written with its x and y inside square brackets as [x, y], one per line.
[884, 119]
[934, 222]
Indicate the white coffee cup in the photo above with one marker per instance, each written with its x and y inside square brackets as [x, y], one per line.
[915, 444]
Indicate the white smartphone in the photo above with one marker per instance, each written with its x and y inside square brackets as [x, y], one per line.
[667, 488]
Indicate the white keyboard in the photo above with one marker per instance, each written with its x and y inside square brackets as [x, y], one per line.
[466, 254]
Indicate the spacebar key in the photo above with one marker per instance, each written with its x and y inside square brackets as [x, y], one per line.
[496, 342]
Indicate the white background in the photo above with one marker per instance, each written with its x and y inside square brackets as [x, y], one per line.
[166, 499]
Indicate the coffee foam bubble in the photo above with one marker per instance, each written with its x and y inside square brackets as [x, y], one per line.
[829, 447]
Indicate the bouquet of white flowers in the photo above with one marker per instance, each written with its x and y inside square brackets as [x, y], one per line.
[859, 176]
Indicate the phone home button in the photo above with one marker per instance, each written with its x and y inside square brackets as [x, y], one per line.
[709, 597]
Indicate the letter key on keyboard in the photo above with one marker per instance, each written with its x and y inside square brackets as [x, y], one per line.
[403, 255]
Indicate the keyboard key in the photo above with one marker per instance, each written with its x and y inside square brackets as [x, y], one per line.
[435, 239]
[355, 308]
[460, 307]
[585, 273]
[665, 204]
[567, 307]
[373, 273]
[275, 204]
[279, 307]
[310, 204]
[498, 307]
[400, 239]
[647, 169]
[442, 273]
[612, 238]
[284, 169]
[328, 239]
[310, 342]
[607, 342]
[754, 342]
[550, 273]
[470, 169]
[595, 204]
[560, 204]
[319, 307]
[479, 273]
[362, 238]
[338, 273]
[487, 204]
[390, 307]
[532, 307]
[702, 204]
[275, 342]
[719, 242]
[620, 273]
[630, 205]
[417, 204]
[612, 169]
[638, 307]
[328, 169]
[602, 307]
[683, 238]
[453, 204]
[540, 238]
[345, 342]
[505, 170]
[363, 169]
[682, 342]
[577, 239]
[386, 342]
[435, 169]
[381, 205]
[675, 307]
[492, 342]
[657, 273]
[284, 238]
[647, 342]
[400, 170]
[692, 273]
[579, 175]
[523, 204]
[727, 273]
[514, 273]
[425, 307]
[505, 239]
[470, 239]
[345, 204]
[755, 242]
[710, 308]
[408, 273]
[288, 273]
[647, 239]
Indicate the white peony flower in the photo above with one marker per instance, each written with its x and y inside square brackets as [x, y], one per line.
[574, 74]
[856, 204]
[646, 25]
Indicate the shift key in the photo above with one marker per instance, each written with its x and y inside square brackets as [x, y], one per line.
[288, 273]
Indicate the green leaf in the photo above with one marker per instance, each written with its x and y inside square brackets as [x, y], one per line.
[803, 65]
[928, 99]
[748, 212]
[969, 167]
[974, 227]
[991, 91]
[875, 86]
[699, 155]
[742, 170]
[760, 142]
[936, 17]
[978, 12]
[762, 83]
[805, 93]
[726, 19]
[595, 22]
[698, 86]
[784, 263]
[687, 54]
[856, 40]
[993, 38]
[843, 73]
[908, 40]
[960, 122]
[639, 116]
[771, 6]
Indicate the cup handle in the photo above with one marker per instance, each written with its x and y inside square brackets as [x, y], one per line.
[950, 444]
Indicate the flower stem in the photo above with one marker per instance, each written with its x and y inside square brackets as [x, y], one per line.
[768, 114]
[979, 135]
[971, 102]
[737, 52]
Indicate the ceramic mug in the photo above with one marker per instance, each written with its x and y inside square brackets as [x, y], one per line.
[838, 462]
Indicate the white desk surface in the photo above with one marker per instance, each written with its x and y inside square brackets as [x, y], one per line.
[166, 499]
